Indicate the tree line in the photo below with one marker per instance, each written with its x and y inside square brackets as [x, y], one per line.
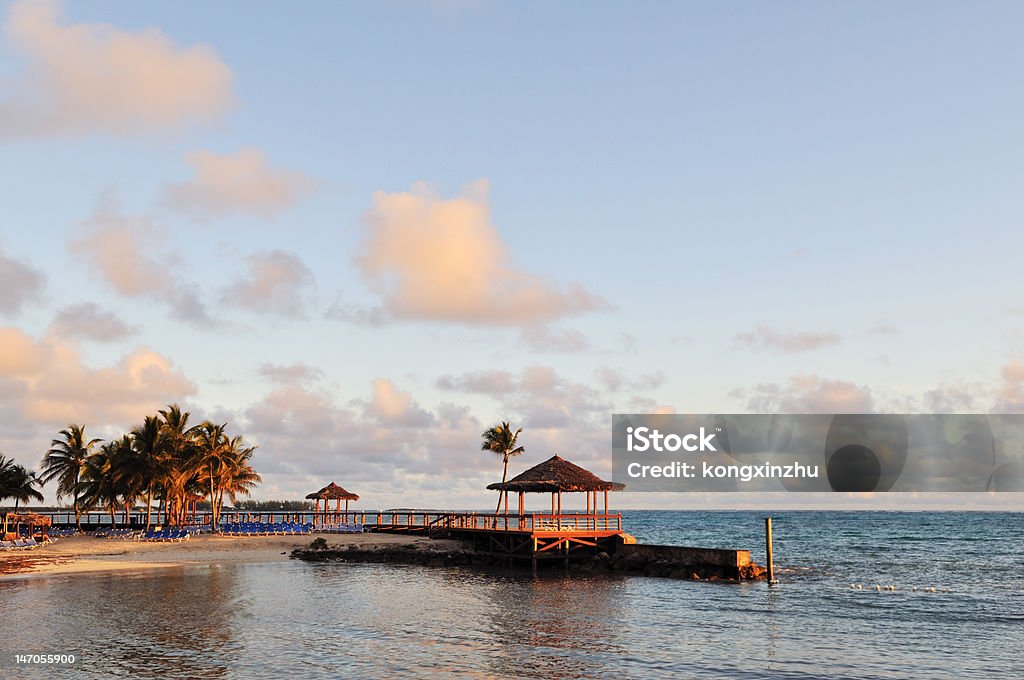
[162, 459]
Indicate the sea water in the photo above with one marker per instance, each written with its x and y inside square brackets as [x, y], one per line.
[956, 611]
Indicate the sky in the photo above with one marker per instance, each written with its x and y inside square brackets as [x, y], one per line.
[363, 233]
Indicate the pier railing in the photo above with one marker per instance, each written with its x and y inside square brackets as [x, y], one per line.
[533, 522]
[393, 520]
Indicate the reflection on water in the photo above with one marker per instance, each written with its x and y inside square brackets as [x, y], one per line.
[169, 624]
[380, 621]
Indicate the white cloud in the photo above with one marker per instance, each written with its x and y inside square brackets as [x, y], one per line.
[242, 183]
[47, 382]
[84, 78]
[127, 252]
[442, 259]
[87, 321]
[19, 284]
[392, 406]
[290, 374]
[274, 283]
[545, 339]
[765, 337]
[1010, 392]
[808, 394]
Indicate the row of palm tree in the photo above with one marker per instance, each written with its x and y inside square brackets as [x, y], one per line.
[162, 459]
[18, 483]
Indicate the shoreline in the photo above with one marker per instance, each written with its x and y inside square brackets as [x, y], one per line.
[89, 555]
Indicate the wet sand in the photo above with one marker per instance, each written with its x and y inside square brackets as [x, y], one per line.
[84, 554]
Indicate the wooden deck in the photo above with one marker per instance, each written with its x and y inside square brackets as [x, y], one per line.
[532, 536]
[528, 536]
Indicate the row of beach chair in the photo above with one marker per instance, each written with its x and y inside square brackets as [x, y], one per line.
[114, 533]
[173, 535]
[21, 544]
[62, 533]
[340, 528]
[266, 529]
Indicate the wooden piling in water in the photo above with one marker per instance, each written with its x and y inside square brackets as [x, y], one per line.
[768, 550]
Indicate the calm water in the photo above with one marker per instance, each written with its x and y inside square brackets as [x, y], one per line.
[375, 621]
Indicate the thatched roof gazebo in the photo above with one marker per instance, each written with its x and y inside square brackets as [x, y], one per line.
[14, 520]
[556, 476]
[332, 492]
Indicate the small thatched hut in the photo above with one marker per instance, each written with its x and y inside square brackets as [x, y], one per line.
[332, 492]
[13, 521]
[556, 476]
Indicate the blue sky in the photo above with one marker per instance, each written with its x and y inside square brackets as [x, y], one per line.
[438, 214]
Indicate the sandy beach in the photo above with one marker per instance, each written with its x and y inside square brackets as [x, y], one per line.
[85, 554]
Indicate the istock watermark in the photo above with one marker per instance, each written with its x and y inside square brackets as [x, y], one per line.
[821, 452]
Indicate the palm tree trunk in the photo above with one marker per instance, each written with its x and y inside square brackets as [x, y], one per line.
[213, 508]
[78, 515]
[149, 507]
[504, 476]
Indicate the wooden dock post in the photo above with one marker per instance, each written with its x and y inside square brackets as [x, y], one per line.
[768, 550]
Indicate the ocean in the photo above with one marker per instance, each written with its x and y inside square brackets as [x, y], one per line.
[304, 620]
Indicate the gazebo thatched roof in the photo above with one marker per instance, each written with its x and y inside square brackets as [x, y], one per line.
[333, 492]
[556, 474]
[28, 518]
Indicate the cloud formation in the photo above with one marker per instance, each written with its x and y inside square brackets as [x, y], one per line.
[84, 78]
[767, 338]
[240, 183]
[1010, 392]
[45, 382]
[290, 374]
[442, 259]
[543, 398]
[808, 394]
[546, 339]
[127, 252]
[392, 406]
[275, 282]
[87, 321]
[19, 284]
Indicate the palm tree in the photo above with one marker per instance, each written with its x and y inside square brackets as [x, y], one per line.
[181, 465]
[237, 476]
[211, 449]
[8, 469]
[150, 447]
[501, 440]
[129, 477]
[99, 485]
[17, 482]
[65, 461]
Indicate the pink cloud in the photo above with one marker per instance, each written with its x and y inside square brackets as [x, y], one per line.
[765, 337]
[243, 182]
[127, 252]
[393, 406]
[84, 78]
[55, 387]
[87, 321]
[809, 394]
[274, 283]
[19, 284]
[442, 259]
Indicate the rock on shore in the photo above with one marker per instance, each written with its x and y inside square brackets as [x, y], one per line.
[449, 555]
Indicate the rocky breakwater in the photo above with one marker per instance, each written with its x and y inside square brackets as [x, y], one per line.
[423, 552]
[677, 562]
